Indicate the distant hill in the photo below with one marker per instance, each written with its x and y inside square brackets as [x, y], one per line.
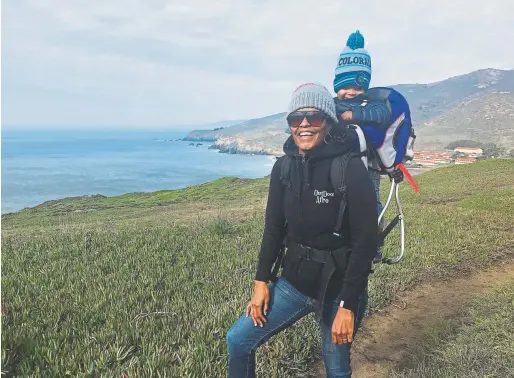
[257, 136]
[483, 119]
[209, 134]
[427, 101]
[442, 112]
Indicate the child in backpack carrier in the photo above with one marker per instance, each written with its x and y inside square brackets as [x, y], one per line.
[351, 82]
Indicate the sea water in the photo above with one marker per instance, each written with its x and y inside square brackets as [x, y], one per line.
[42, 165]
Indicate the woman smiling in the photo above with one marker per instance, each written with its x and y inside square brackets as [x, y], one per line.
[329, 247]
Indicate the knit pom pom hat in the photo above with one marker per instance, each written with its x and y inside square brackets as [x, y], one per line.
[314, 95]
[354, 64]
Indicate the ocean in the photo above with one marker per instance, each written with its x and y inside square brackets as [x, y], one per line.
[42, 165]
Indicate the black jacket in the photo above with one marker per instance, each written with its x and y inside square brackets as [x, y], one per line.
[311, 216]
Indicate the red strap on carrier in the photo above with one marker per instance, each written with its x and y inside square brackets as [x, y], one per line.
[409, 176]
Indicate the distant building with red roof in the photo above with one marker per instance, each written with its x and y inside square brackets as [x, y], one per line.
[427, 158]
[431, 158]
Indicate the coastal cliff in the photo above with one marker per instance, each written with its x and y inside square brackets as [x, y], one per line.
[470, 106]
[261, 136]
[239, 145]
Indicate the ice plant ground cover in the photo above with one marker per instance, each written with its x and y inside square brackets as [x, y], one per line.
[148, 284]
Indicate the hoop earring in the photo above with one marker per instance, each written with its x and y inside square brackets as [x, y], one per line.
[328, 134]
[325, 137]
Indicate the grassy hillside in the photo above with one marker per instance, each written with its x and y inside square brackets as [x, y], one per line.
[149, 284]
[477, 344]
[169, 206]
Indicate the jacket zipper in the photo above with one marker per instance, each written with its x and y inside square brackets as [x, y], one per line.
[304, 161]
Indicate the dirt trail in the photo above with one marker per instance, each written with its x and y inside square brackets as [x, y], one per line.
[386, 338]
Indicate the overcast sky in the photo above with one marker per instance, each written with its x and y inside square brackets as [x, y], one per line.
[154, 63]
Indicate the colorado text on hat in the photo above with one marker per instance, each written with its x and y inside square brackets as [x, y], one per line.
[354, 60]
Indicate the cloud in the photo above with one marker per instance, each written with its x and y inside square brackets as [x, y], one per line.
[161, 62]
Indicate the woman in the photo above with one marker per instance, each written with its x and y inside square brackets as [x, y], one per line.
[305, 212]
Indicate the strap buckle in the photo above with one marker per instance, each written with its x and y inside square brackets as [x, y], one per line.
[307, 251]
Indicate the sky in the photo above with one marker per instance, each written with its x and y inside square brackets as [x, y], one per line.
[162, 63]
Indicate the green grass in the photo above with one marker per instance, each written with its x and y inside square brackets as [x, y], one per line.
[480, 343]
[149, 284]
[227, 191]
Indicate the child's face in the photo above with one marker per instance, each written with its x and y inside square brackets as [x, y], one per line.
[349, 92]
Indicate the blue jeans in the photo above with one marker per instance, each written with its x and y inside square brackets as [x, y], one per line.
[287, 305]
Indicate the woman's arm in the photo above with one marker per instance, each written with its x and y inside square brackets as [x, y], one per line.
[274, 228]
[363, 220]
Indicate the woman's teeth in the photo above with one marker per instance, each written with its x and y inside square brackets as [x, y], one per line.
[306, 133]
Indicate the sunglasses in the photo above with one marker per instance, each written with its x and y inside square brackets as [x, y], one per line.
[314, 118]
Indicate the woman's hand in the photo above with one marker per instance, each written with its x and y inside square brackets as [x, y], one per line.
[260, 298]
[342, 327]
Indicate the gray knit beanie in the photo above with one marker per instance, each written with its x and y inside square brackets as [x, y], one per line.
[312, 95]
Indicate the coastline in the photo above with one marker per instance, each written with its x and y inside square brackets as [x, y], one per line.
[81, 199]
[239, 145]
[46, 166]
[156, 167]
[233, 145]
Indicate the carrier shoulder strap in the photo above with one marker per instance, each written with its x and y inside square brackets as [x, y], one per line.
[338, 178]
[285, 172]
[285, 178]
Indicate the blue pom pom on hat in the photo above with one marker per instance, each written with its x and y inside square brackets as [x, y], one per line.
[354, 64]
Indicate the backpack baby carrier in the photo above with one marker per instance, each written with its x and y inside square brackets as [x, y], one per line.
[394, 143]
[391, 145]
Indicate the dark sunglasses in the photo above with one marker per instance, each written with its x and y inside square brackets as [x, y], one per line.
[314, 118]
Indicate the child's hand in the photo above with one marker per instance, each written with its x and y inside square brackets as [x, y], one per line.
[347, 115]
